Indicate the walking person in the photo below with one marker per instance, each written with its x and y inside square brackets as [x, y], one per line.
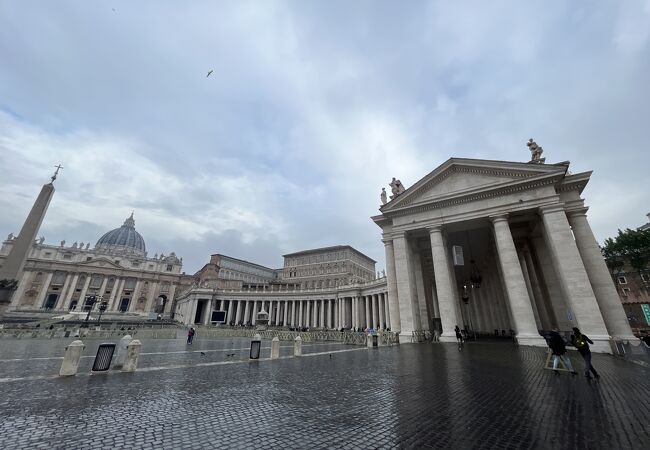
[558, 347]
[581, 342]
[190, 335]
[459, 335]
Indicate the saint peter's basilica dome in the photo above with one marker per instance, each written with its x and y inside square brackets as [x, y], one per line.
[123, 240]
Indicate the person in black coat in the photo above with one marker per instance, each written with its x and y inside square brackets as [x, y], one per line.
[581, 342]
[558, 347]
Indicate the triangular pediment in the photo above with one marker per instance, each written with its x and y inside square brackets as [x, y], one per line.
[100, 262]
[459, 176]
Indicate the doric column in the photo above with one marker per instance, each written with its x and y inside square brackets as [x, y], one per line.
[366, 318]
[247, 312]
[529, 287]
[422, 318]
[230, 311]
[207, 315]
[308, 314]
[447, 302]
[255, 311]
[315, 313]
[300, 315]
[599, 277]
[387, 309]
[391, 282]
[545, 312]
[513, 277]
[408, 307]
[573, 276]
[382, 312]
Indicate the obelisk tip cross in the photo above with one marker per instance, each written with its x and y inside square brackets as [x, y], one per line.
[56, 172]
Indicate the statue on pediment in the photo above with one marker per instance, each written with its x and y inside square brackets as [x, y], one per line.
[384, 198]
[535, 152]
[74, 245]
[41, 240]
[63, 243]
[10, 237]
[396, 188]
[87, 245]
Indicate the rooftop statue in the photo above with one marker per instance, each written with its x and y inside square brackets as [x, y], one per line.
[535, 152]
[396, 188]
[383, 196]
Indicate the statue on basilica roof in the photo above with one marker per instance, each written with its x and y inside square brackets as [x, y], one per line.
[535, 152]
[383, 196]
[396, 187]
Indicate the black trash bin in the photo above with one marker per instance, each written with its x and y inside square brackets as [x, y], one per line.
[375, 340]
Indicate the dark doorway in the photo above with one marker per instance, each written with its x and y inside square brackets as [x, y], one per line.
[200, 305]
[50, 303]
[124, 304]
[73, 305]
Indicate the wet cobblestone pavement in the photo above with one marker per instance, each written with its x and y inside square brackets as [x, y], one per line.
[489, 395]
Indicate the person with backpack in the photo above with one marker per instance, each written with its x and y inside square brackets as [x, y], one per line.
[558, 347]
[581, 342]
[190, 335]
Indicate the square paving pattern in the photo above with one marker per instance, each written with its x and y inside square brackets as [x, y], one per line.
[487, 395]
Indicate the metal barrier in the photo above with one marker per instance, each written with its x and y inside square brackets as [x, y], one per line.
[103, 357]
[347, 337]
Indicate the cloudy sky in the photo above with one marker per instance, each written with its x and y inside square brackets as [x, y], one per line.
[312, 107]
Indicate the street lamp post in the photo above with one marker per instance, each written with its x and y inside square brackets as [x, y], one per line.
[90, 302]
[102, 307]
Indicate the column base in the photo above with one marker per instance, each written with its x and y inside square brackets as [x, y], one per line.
[627, 338]
[534, 340]
[448, 337]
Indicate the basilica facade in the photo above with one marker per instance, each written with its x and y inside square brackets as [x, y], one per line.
[117, 270]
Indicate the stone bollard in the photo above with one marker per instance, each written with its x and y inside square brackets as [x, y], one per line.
[369, 340]
[297, 346]
[121, 351]
[275, 348]
[132, 355]
[71, 359]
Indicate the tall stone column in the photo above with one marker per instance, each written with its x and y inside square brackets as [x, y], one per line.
[366, 309]
[422, 319]
[247, 311]
[529, 286]
[301, 315]
[207, 315]
[84, 290]
[231, 307]
[391, 282]
[546, 312]
[382, 311]
[255, 311]
[42, 295]
[520, 304]
[387, 308]
[573, 277]
[447, 302]
[599, 277]
[408, 308]
[71, 286]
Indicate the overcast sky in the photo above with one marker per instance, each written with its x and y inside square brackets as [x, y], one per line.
[312, 107]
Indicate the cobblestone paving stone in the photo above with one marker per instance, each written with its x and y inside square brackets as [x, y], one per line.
[488, 395]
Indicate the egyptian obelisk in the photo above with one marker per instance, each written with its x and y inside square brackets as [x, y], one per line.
[12, 269]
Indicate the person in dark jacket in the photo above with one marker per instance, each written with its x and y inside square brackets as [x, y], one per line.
[190, 335]
[459, 335]
[581, 342]
[558, 347]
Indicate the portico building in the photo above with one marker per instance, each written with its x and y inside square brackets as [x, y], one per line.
[494, 245]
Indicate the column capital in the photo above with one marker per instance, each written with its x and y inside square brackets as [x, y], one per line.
[387, 242]
[578, 211]
[503, 217]
[558, 207]
[435, 229]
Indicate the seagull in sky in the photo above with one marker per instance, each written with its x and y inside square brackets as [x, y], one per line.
[209, 73]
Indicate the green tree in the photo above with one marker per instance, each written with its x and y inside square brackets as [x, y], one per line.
[630, 246]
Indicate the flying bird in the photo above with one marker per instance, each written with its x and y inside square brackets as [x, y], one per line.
[209, 73]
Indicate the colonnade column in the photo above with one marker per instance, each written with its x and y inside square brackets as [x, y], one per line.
[71, 288]
[84, 289]
[408, 308]
[230, 310]
[391, 282]
[447, 302]
[300, 315]
[387, 309]
[286, 314]
[520, 304]
[382, 311]
[599, 277]
[573, 276]
[247, 311]
[255, 310]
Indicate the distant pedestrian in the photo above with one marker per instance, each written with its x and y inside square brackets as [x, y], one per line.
[190, 335]
[459, 335]
[558, 347]
[581, 342]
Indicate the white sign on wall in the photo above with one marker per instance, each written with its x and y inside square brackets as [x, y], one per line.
[457, 252]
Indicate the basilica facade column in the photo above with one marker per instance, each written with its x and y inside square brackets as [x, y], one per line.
[513, 277]
[447, 302]
[391, 281]
[71, 288]
[573, 276]
[405, 286]
[599, 277]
